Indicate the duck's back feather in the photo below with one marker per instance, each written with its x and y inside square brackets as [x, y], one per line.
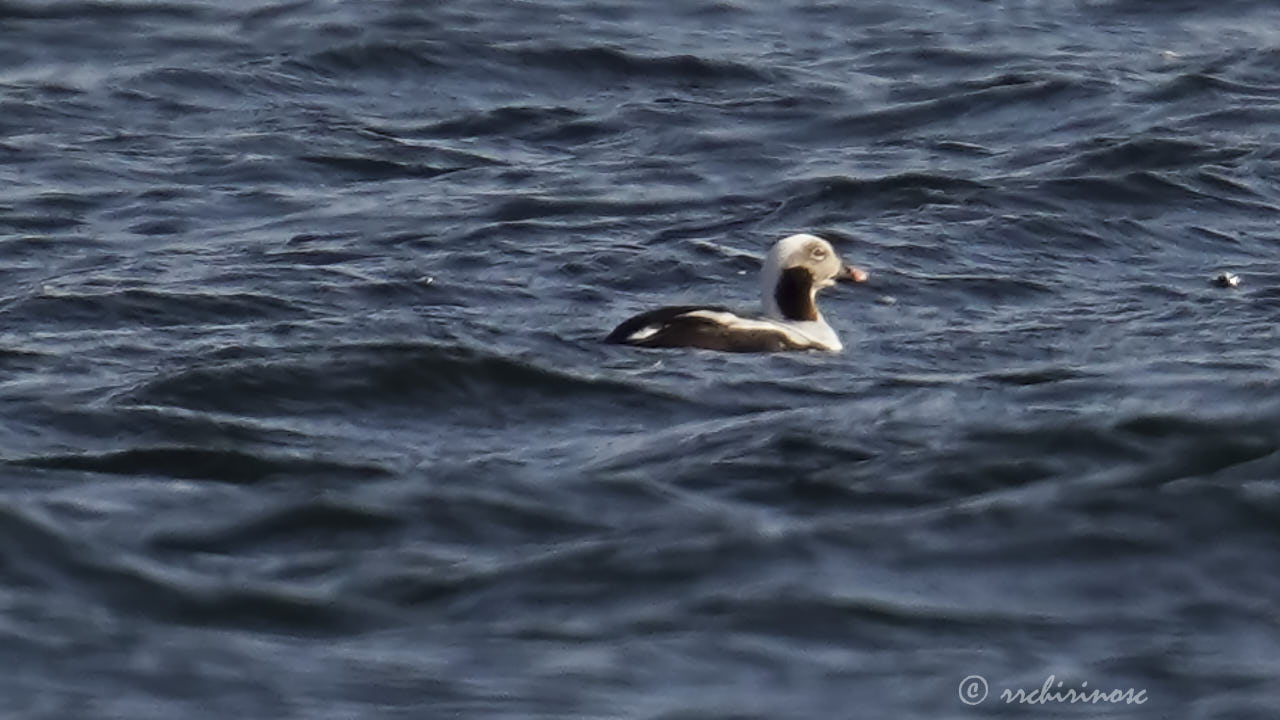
[710, 328]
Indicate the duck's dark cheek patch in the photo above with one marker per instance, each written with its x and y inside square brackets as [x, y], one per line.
[794, 294]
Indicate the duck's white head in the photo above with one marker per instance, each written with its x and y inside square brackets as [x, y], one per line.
[797, 267]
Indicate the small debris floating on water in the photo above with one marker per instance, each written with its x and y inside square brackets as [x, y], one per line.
[1226, 279]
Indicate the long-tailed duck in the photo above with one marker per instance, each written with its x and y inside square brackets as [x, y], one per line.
[796, 268]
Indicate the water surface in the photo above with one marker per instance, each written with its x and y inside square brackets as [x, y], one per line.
[305, 412]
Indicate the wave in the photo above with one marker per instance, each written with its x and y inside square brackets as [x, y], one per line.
[373, 58]
[972, 100]
[1134, 154]
[373, 169]
[82, 9]
[196, 463]
[532, 123]
[152, 308]
[599, 61]
[61, 562]
[909, 190]
[1145, 188]
[468, 385]
[297, 525]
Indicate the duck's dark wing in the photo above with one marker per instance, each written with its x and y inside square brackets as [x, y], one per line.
[670, 327]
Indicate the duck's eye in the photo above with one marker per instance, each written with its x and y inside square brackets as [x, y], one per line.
[818, 253]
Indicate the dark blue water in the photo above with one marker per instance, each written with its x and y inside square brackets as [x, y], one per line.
[305, 413]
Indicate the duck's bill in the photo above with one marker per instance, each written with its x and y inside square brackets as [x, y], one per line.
[854, 274]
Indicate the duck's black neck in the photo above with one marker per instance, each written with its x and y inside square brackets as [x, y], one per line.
[794, 294]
